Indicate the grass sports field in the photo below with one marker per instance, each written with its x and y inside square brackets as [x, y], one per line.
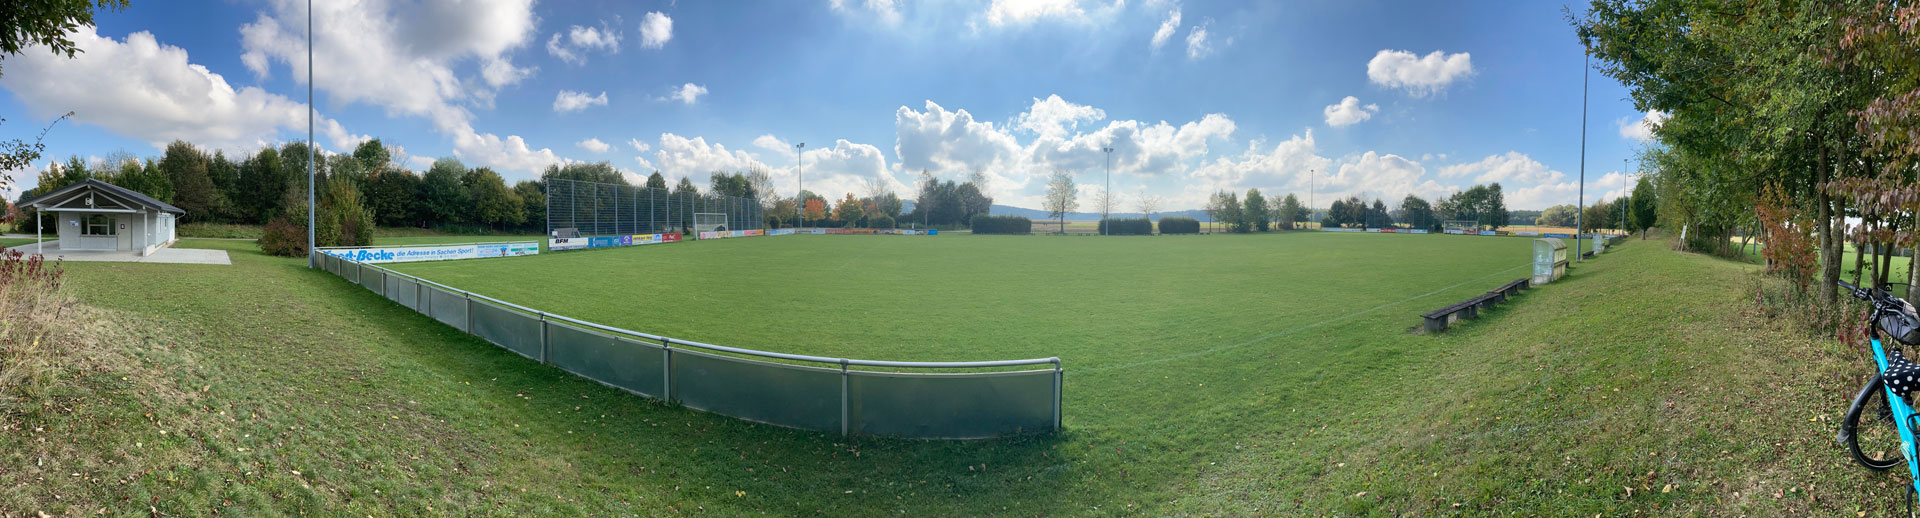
[1097, 304]
[1263, 382]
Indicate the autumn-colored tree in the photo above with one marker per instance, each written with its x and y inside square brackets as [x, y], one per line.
[1789, 233]
[849, 210]
[816, 209]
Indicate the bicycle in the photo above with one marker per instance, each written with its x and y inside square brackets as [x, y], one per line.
[1886, 436]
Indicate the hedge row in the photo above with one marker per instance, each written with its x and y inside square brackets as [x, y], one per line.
[1002, 225]
[1179, 226]
[1127, 227]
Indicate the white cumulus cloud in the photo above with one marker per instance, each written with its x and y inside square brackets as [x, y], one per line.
[153, 92]
[1642, 129]
[655, 30]
[1510, 167]
[573, 45]
[771, 143]
[1197, 44]
[369, 56]
[688, 93]
[1419, 76]
[594, 145]
[1011, 12]
[1349, 112]
[568, 101]
[1167, 28]
[1055, 117]
[638, 146]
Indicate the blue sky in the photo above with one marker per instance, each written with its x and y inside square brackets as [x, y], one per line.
[1221, 95]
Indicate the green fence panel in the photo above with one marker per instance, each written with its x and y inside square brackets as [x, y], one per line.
[447, 307]
[951, 406]
[772, 393]
[374, 280]
[404, 291]
[621, 362]
[513, 330]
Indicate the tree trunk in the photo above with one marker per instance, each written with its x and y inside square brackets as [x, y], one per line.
[1829, 255]
[1859, 263]
[1886, 261]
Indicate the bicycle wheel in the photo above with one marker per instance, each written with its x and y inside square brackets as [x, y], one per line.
[1869, 430]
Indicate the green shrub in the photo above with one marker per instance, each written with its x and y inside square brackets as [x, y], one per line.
[1127, 227]
[1002, 225]
[879, 222]
[283, 238]
[1179, 226]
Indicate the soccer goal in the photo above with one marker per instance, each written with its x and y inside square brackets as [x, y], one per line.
[1461, 226]
[709, 222]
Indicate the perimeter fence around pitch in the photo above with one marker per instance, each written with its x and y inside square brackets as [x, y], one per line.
[922, 400]
[604, 209]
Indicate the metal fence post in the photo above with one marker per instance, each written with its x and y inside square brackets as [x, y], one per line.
[1058, 374]
[545, 345]
[666, 370]
[846, 395]
[418, 290]
[469, 328]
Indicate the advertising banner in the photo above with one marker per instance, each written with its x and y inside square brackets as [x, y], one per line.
[1456, 232]
[1338, 229]
[728, 233]
[780, 232]
[1558, 235]
[1372, 230]
[1416, 231]
[1389, 231]
[407, 254]
[566, 243]
[933, 232]
[1526, 233]
[1489, 233]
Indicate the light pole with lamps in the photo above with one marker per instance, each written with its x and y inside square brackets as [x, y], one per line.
[1106, 202]
[310, 215]
[800, 183]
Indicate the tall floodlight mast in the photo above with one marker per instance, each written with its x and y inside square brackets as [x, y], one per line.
[1106, 199]
[310, 216]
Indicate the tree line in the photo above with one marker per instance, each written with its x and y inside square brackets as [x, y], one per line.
[1782, 120]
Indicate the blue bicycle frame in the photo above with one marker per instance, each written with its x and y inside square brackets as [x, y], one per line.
[1902, 413]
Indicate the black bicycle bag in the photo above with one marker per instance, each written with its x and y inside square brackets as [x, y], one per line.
[1902, 324]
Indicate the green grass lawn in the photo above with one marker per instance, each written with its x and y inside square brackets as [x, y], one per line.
[1096, 304]
[1207, 375]
[15, 241]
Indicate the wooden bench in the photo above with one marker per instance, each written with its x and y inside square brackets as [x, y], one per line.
[1437, 320]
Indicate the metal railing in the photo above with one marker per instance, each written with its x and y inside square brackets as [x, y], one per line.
[741, 382]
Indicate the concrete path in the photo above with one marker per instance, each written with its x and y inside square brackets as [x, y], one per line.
[164, 255]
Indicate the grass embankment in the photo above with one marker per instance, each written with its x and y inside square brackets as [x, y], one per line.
[267, 387]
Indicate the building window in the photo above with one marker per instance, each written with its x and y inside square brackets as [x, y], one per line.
[97, 225]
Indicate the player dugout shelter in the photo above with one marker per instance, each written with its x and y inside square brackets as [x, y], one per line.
[99, 216]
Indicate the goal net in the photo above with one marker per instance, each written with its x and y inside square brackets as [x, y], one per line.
[709, 222]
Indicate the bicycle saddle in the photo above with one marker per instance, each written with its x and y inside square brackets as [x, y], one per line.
[1900, 374]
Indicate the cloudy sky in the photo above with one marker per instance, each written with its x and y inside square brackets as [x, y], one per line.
[1378, 99]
